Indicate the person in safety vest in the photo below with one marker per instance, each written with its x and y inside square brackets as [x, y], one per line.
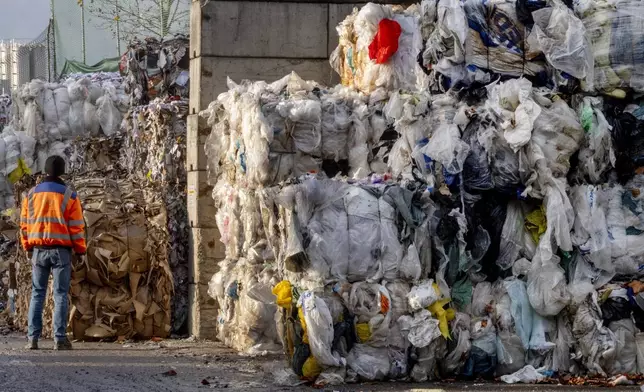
[51, 227]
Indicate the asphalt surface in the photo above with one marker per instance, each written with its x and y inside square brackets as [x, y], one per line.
[176, 366]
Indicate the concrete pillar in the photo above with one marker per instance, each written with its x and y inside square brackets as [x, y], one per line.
[205, 249]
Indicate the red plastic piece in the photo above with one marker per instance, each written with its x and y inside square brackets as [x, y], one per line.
[385, 43]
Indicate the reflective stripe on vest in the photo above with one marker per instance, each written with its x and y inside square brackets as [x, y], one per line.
[54, 236]
[68, 195]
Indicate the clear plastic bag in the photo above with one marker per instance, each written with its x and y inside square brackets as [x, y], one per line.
[329, 246]
[427, 359]
[335, 127]
[563, 342]
[597, 344]
[459, 347]
[49, 111]
[482, 361]
[477, 174]
[368, 362]
[515, 108]
[626, 350]
[522, 312]
[358, 137]
[392, 259]
[421, 329]
[556, 137]
[33, 124]
[362, 208]
[12, 150]
[590, 234]
[367, 300]
[422, 295]
[445, 46]
[547, 289]
[482, 299]
[561, 36]
[90, 119]
[410, 268]
[510, 353]
[398, 291]
[526, 375]
[446, 147]
[77, 118]
[639, 342]
[597, 150]
[319, 327]
[515, 240]
[108, 115]
[305, 115]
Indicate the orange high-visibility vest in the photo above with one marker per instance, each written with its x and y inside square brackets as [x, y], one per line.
[52, 217]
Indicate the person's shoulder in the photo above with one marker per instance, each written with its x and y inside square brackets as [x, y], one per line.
[48, 186]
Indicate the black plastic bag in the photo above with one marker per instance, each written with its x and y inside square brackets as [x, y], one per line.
[614, 309]
[344, 335]
[628, 139]
[638, 317]
[300, 355]
[480, 364]
[477, 175]
[525, 8]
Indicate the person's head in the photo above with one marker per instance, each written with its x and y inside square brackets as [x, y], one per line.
[55, 166]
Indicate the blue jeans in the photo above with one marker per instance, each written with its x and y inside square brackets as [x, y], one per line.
[58, 262]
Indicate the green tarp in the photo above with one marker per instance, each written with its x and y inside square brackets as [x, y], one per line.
[106, 65]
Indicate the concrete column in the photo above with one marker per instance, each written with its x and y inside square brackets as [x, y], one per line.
[205, 249]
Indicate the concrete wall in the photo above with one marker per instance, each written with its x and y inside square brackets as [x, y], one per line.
[244, 40]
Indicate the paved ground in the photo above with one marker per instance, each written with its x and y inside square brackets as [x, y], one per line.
[172, 366]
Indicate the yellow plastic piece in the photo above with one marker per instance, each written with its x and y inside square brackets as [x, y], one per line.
[284, 294]
[536, 223]
[617, 93]
[305, 336]
[364, 332]
[311, 369]
[18, 172]
[443, 316]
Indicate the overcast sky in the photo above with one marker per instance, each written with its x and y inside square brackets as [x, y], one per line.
[23, 19]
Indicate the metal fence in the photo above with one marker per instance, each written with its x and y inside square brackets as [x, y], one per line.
[22, 61]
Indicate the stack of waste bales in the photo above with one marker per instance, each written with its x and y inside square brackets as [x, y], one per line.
[132, 187]
[47, 117]
[467, 204]
[156, 69]
[155, 153]
[125, 287]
